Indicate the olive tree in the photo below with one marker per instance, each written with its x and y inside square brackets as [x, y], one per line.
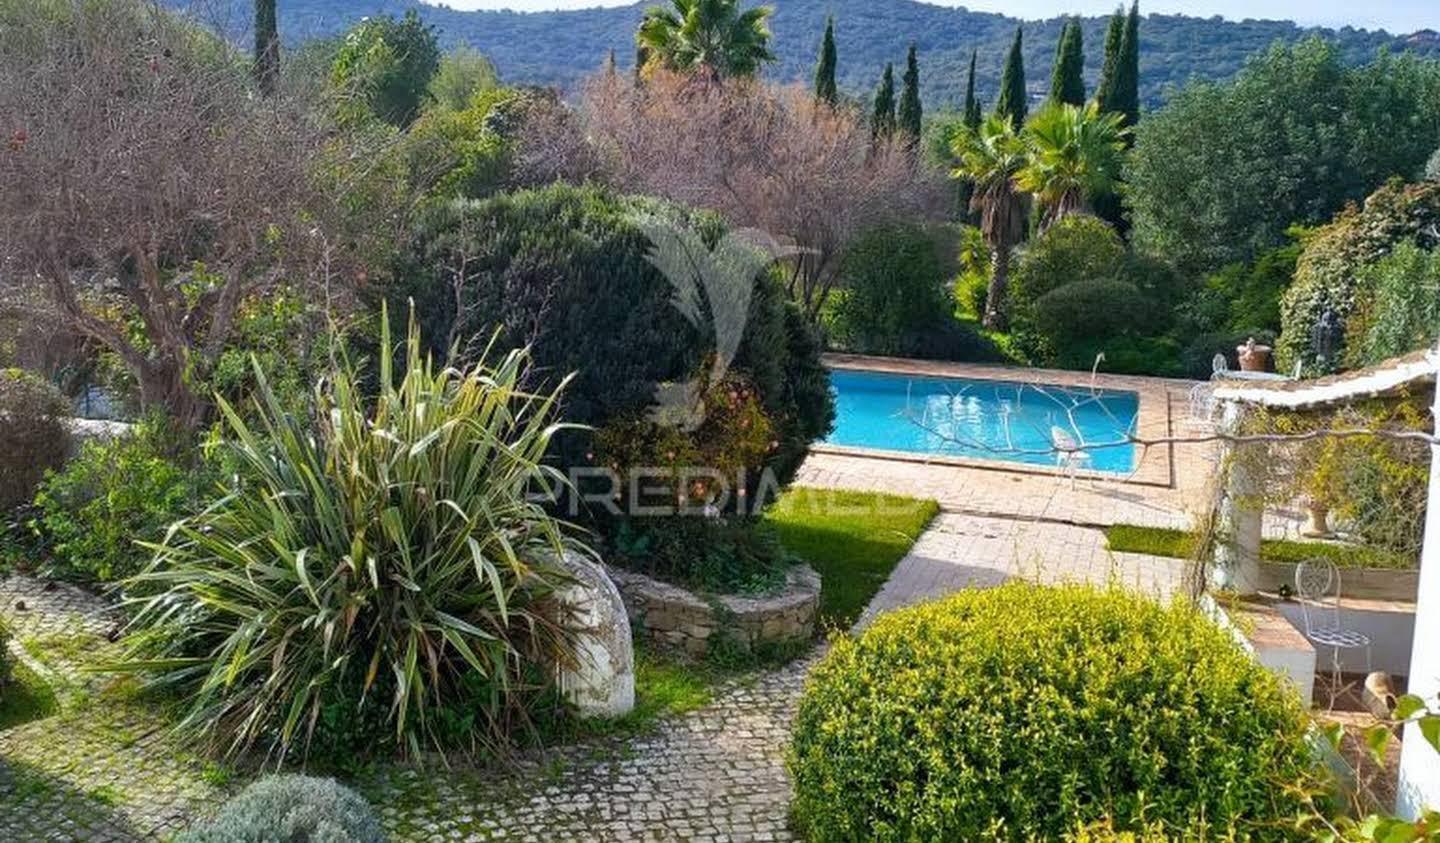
[148, 190]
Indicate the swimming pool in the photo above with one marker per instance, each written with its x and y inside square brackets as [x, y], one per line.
[981, 419]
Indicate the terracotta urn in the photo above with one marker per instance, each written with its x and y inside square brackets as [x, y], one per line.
[1253, 356]
[1319, 524]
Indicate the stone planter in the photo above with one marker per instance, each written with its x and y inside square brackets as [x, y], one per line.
[1369, 583]
[684, 621]
[1319, 524]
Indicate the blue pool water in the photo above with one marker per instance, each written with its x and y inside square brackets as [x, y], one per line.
[993, 420]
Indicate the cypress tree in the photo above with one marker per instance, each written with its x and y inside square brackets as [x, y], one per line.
[1114, 37]
[825, 70]
[1127, 71]
[1067, 80]
[972, 104]
[267, 47]
[882, 119]
[610, 63]
[1012, 102]
[911, 114]
[642, 58]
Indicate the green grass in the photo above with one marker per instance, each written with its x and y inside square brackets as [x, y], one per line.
[26, 697]
[664, 688]
[1181, 545]
[854, 539]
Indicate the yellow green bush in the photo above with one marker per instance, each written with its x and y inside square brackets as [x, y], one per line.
[1025, 713]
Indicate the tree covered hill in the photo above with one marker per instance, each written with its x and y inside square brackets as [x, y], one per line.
[559, 48]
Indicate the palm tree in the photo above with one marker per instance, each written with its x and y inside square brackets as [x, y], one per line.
[1075, 155]
[990, 157]
[714, 36]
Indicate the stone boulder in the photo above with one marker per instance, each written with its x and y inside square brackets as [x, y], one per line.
[601, 682]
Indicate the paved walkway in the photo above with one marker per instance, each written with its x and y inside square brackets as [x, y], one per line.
[107, 771]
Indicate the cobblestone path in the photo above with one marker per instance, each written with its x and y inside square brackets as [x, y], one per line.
[103, 768]
[108, 772]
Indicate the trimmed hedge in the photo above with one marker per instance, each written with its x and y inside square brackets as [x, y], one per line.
[1026, 713]
[292, 809]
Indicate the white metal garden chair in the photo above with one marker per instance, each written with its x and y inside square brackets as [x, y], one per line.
[1068, 454]
[1202, 395]
[1317, 585]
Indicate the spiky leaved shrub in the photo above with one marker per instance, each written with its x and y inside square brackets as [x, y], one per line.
[291, 809]
[379, 579]
[1024, 712]
[33, 435]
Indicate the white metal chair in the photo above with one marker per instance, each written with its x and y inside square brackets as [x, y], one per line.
[1068, 454]
[1202, 395]
[1317, 585]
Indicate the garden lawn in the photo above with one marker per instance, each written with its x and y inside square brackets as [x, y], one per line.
[1181, 545]
[854, 539]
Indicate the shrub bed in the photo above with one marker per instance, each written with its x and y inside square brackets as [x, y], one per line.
[33, 435]
[1025, 713]
[379, 581]
[94, 512]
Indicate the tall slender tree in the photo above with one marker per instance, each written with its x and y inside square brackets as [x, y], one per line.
[267, 47]
[642, 58]
[882, 117]
[1013, 103]
[1114, 38]
[1067, 80]
[1127, 72]
[825, 69]
[991, 158]
[911, 114]
[972, 115]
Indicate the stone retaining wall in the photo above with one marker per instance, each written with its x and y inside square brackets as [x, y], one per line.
[682, 620]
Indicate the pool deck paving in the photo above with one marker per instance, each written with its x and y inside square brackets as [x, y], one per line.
[714, 774]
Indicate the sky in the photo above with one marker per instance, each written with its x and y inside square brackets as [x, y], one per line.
[1399, 16]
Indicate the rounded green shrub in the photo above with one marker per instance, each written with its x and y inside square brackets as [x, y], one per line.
[566, 271]
[292, 809]
[894, 290]
[33, 435]
[1024, 712]
[113, 495]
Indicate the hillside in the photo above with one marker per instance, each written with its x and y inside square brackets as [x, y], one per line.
[559, 48]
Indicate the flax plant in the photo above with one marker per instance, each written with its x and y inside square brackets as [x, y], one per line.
[384, 571]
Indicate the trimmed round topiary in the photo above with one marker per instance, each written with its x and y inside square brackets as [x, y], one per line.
[292, 809]
[33, 435]
[1028, 713]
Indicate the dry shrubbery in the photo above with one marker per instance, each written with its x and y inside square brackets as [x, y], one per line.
[767, 157]
[149, 188]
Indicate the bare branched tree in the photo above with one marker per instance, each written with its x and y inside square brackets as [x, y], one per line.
[148, 188]
[769, 158]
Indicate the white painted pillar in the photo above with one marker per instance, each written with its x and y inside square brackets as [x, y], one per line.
[1237, 549]
[1419, 763]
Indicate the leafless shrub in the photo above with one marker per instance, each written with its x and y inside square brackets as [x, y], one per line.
[766, 157]
[149, 191]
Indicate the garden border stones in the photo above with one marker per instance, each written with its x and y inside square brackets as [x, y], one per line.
[678, 619]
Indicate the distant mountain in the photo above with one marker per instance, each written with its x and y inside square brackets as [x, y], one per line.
[560, 48]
